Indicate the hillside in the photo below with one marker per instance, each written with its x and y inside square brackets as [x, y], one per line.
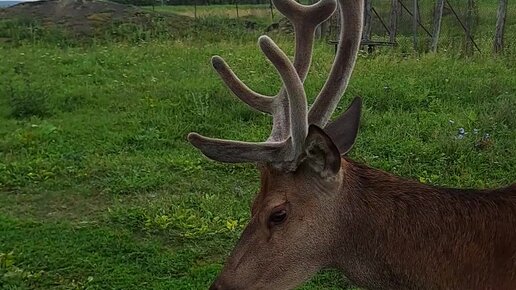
[90, 17]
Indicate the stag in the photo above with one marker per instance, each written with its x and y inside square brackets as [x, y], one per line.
[318, 209]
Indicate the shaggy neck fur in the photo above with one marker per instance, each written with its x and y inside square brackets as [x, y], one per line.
[401, 234]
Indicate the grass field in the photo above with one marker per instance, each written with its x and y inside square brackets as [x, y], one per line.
[100, 190]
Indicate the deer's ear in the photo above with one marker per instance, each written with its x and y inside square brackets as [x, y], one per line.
[321, 153]
[343, 131]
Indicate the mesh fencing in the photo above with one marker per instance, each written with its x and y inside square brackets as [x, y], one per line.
[458, 17]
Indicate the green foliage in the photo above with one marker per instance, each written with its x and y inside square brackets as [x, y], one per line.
[26, 100]
[185, 218]
[12, 276]
[154, 27]
[25, 31]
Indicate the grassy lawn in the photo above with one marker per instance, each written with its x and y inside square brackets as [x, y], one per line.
[100, 190]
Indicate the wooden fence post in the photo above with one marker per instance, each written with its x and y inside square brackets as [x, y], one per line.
[415, 22]
[394, 20]
[366, 34]
[438, 15]
[500, 26]
[469, 27]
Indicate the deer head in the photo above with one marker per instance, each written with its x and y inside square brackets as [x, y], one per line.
[300, 163]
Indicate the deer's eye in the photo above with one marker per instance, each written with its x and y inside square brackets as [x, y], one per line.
[278, 217]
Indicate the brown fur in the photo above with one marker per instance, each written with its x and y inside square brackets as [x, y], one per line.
[381, 231]
[405, 235]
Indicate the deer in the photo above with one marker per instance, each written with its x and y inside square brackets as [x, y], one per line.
[317, 208]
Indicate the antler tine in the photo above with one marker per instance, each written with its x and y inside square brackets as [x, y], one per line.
[255, 100]
[295, 91]
[289, 106]
[238, 152]
[349, 42]
[305, 19]
[285, 151]
[299, 13]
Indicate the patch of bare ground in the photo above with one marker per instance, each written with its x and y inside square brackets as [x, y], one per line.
[56, 206]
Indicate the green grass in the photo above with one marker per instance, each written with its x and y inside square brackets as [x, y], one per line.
[100, 190]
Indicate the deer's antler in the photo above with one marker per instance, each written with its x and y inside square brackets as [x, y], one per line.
[351, 23]
[271, 151]
[289, 107]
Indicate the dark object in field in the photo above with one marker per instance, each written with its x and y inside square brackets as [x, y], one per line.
[484, 142]
[371, 45]
[317, 209]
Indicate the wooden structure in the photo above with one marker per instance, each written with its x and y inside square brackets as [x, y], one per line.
[411, 8]
[370, 44]
[500, 26]
[366, 34]
[438, 15]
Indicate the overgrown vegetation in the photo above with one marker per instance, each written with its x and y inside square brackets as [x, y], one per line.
[100, 190]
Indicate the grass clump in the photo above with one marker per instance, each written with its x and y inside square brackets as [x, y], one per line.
[25, 99]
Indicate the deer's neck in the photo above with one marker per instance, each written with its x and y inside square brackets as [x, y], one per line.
[395, 232]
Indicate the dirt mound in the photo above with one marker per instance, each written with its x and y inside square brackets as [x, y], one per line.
[82, 17]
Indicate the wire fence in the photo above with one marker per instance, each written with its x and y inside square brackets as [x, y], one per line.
[468, 24]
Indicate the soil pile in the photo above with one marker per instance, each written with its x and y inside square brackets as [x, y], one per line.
[86, 17]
